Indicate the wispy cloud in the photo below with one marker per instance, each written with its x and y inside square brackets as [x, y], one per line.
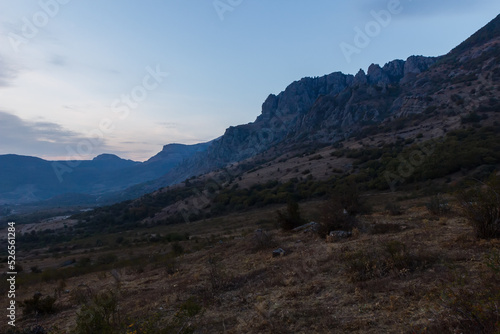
[34, 137]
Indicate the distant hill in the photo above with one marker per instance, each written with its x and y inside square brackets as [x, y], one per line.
[29, 179]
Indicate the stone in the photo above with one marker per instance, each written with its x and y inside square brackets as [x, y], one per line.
[309, 227]
[340, 234]
[279, 252]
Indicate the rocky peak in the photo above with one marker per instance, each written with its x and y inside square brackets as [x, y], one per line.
[300, 95]
[395, 69]
[360, 78]
[418, 64]
[376, 75]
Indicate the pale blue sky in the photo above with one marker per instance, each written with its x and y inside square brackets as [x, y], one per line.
[66, 65]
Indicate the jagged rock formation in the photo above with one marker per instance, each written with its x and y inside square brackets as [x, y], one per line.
[329, 108]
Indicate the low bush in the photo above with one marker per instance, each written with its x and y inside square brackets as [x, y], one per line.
[335, 218]
[39, 305]
[390, 258]
[394, 209]
[291, 218]
[481, 207]
[338, 214]
[438, 205]
[384, 228]
[99, 316]
[262, 240]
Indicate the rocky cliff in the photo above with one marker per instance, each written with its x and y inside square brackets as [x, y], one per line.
[326, 109]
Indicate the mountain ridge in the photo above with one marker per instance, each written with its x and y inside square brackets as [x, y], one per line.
[327, 109]
[32, 179]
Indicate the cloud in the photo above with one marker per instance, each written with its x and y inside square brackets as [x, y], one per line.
[7, 73]
[36, 138]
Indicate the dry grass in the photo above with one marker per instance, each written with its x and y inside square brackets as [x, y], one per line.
[402, 274]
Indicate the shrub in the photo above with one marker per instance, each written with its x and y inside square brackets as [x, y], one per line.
[39, 305]
[99, 316]
[35, 270]
[81, 295]
[217, 276]
[177, 249]
[438, 205]
[339, 212]
[384, 228]
[348, 196]
[481, 207]
[291, 218]
[334, 218]
[394, 209]
[190, 307]
[470, 118]
[262, 240]
[390, 258]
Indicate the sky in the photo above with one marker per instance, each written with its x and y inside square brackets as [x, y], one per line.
[79, 78]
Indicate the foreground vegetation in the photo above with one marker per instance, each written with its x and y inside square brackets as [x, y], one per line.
[416, 266]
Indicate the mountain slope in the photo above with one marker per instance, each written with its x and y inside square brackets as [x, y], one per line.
[324, 110]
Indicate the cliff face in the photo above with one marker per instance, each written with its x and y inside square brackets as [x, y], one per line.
[310, 108]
